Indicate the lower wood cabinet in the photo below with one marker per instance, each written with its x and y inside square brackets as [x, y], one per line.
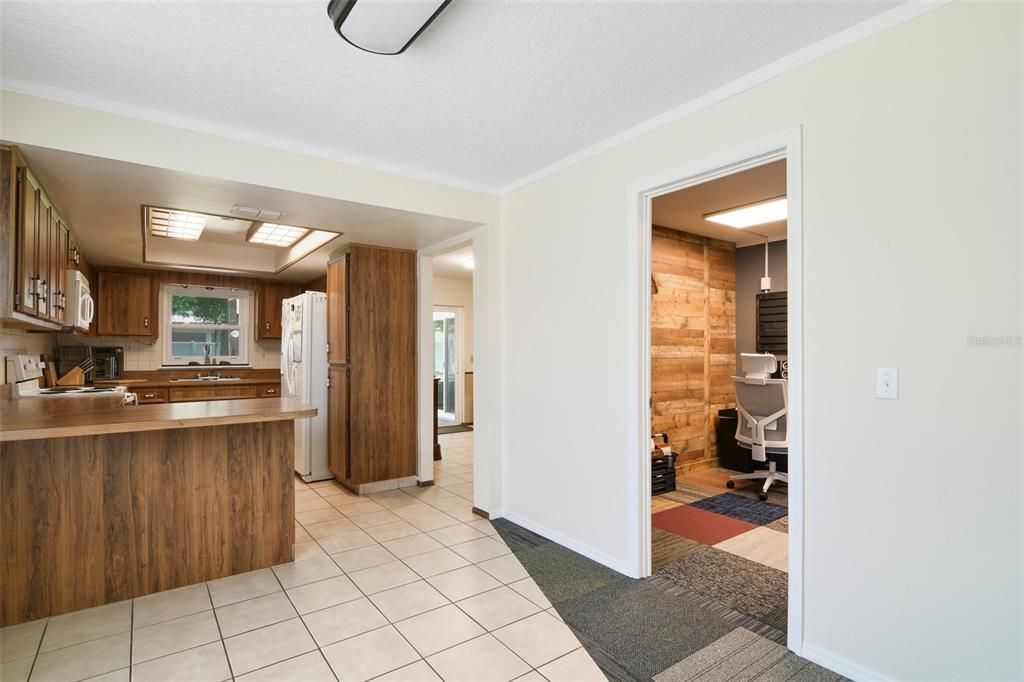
[151, 395]
[195, 393]
[337, 422]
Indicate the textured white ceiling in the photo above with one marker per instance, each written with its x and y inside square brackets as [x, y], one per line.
[491, 92]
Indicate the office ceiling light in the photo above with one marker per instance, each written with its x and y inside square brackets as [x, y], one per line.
[383, 26]
[273, 234]
[176, 224]
[757, 213]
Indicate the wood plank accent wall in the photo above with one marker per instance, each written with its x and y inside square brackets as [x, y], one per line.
[693, 341]
[91, 520]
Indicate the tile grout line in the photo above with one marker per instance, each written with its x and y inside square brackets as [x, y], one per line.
[39, 646]
[304, 625]
[223, 644]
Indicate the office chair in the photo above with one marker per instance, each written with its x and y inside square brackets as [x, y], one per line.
[762, 404]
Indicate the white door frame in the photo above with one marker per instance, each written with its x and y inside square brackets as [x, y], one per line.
[460, 392]
[785, 144]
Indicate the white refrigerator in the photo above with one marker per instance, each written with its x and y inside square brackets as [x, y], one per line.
[304, 376]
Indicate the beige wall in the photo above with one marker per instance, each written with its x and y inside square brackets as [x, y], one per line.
[458, 293]
[912, 217]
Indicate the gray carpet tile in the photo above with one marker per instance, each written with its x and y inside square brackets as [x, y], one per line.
[563, 574]
[518, 538]
[687, 493]
[781, 525]
[776, 494]
[639, 627]
[698, 662]
[667, 547]
[779, 616]
[741, 584]
[690, 599]
[612, 668]
[461, 428]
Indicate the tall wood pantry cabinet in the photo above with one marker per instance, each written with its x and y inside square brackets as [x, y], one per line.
[371, 334]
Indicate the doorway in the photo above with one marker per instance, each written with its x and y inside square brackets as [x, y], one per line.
[694, 443]
[448, 349]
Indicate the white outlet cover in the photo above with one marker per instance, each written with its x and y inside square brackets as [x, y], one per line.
[887, 383]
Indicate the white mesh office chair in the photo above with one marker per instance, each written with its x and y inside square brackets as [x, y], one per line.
[762, 403]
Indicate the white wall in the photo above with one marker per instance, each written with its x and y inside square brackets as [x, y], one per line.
[912, 243]
[458, 293]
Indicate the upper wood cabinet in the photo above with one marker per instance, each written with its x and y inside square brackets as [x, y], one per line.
[337, 310]
[269, 296]
[126, 305]
[36, 244]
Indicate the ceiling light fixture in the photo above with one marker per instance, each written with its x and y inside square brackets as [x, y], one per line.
[273, 234]
[176, 224]
[757, 213]
[383, 26]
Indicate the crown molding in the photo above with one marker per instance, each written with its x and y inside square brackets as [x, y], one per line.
[870, 27]
[239, 135]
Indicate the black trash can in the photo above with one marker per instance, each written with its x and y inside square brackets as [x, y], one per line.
[730, 454]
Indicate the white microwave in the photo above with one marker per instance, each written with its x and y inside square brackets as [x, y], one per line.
[81, 308]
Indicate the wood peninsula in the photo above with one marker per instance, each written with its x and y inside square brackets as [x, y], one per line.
[104, 503]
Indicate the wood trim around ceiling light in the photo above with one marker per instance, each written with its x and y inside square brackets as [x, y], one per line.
[189, 266]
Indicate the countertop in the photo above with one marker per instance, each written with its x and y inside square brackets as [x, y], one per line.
[25, 419]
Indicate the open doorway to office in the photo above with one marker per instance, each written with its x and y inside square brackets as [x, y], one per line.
[719, 253]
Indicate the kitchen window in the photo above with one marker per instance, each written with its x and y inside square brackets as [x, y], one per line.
[205, 324]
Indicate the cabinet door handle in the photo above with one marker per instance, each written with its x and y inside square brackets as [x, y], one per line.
[145, 322]
[268, 326]
[149, 395]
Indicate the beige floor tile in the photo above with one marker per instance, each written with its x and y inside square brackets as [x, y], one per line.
[538, 639]
[202, 664]
[309, 571]
[302, 536]
[408, 600]
[268, 645]
[497, 608]
[414, 672]
[576, 666]
[308, 518]
[243, 586]
[481, 550]
[17, 669]
[483, 659]
[463, 582]
[369, 655]
[412, 545]
[19, 641]
[763, 545]
[362, 557]
[170, 604]
[343, 621]
[392, 531]
[255, 613]
[87, 624]
[81, 661]
[122, 675]
[173, 636]
[532, 676]
[311, 503]
[320, 595]
[346, 541]
[484, 526]
[505, 568]
[383, 577]
[434, 563]
[327, 529]
[309, 667]
[433, 521]
[353, 506]
[439, 629]
[308, 550]
[374, 518]
[393, 499]
[456, 535]
[529, 589]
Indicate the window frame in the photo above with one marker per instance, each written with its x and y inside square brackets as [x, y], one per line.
[244, 326]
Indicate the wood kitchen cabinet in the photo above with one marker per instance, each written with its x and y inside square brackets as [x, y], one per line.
[371, 318]
[39, 247]
[269, 296]
[126, 305]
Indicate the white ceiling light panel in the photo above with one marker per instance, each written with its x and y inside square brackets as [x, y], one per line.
[758, 213]
[176, 224]
[273, 234]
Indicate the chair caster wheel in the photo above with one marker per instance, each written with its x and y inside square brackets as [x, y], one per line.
[763, 496]
[730, 484]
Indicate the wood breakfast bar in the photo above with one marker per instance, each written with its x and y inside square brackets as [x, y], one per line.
[104, 503]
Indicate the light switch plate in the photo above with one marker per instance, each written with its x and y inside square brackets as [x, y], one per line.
[887, 383]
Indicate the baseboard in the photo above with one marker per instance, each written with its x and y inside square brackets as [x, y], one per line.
[840, 665]
[579, 548]
[481, 512]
